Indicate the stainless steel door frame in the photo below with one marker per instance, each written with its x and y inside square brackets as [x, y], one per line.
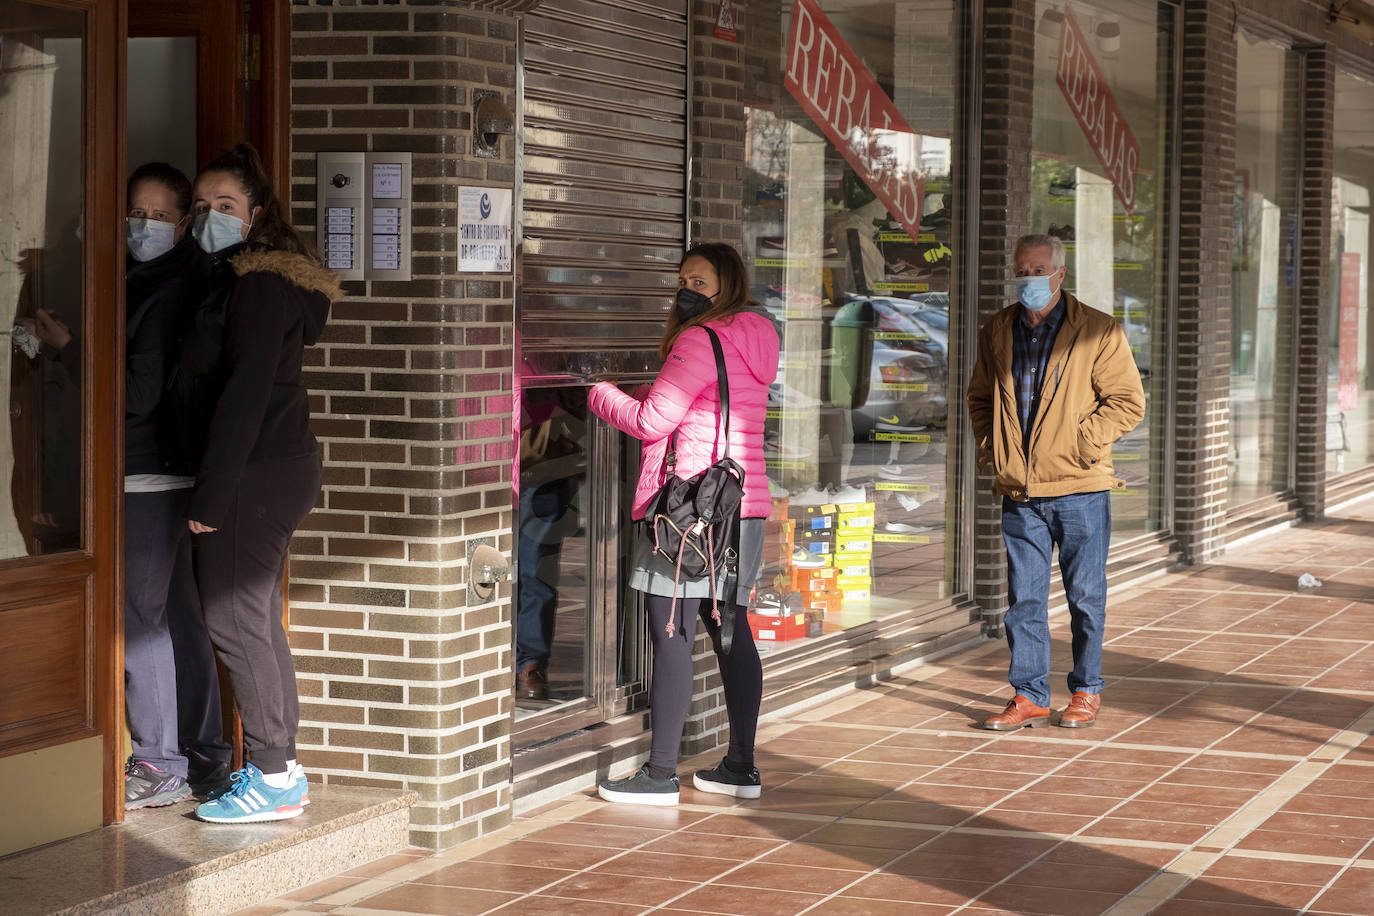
[601, 181]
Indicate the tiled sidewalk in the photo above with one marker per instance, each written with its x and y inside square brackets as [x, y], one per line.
[1232, 772]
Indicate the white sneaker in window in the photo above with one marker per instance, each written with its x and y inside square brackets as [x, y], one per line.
[848, 495]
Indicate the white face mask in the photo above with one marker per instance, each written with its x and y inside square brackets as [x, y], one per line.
[216, 231]
[150, 238]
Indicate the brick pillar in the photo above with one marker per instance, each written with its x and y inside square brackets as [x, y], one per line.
[1314, 317]
[1008, 99]
[1203, 342]
[405, 678]
[715, 208]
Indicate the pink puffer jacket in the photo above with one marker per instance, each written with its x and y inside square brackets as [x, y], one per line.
[684, 398]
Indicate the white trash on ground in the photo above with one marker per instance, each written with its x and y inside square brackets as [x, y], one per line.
[1307, 580]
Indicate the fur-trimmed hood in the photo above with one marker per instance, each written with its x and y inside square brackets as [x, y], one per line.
[301, 271]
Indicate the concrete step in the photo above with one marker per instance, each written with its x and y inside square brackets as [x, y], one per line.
[164, 861]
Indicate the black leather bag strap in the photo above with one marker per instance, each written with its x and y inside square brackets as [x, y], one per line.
[722, 386]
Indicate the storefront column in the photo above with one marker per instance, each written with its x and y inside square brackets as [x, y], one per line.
[1314, 312]
[715, 209]
[1203, 340]
[1008, 66]
[405, 673]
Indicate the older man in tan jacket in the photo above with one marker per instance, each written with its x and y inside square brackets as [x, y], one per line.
[1054, 385]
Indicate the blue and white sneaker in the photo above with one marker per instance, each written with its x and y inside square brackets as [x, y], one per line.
[298, 771]
[251, 800]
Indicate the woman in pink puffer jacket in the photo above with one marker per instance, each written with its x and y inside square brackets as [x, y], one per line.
[713, 289]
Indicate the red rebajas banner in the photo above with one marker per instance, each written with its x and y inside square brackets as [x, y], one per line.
[1092, 103]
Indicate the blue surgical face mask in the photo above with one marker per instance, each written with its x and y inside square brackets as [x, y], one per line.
[150, 238]
[216, 231]
[1034, 292]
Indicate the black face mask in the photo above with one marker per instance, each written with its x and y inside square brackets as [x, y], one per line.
[690, 304]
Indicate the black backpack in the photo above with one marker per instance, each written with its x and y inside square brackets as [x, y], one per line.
[694, 523]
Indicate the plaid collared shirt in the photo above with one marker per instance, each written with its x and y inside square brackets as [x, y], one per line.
[1030, 356]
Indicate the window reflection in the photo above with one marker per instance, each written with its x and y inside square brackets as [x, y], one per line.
[41, 271]
[551, 624]
[847, 231]
[1264, 266]
[1102, 93]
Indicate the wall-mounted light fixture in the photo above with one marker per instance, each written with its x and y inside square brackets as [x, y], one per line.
[1109, 36]
[486, 567]
[491, 119]
[1354, 17]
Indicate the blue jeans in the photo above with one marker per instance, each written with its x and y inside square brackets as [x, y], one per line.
[539, 544]
[1081, 525]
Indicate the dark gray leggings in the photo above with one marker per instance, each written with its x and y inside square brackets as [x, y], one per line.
[741, 672]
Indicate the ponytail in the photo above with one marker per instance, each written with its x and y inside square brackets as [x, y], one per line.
[270, 229]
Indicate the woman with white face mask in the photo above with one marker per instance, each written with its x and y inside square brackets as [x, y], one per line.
[245, 417]
[171, 685]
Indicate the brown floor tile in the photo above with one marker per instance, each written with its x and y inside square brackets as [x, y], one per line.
[900, 812]
[894, 753]
[821, 855]
[1018, 848]
[744, 822]
[1153, 831]
[566, 906]
[1009, 763]
[533, 852]
[612, 888]
[641, 816]
[387, 863]
[730, 900]
[1221, 779]
[1309, 803]
[323, 888]
[434, 900]
[1033, 800]
[1051, 901]
[948, 891]
[1275, 841]
[827, 783]
[1032, 821]
[1267, 869]
[1177, 907]
[1105, 788]
[1351, 892]
[801, 801]
[955, 775]
[576, 833]
[495, 876]
[891, 774]
[923, 864]
[659, 864]
[1321, 825]
[1174, 793]
[879, 836]
[1075, 876]
[1237, 891]
[1132, 755]
[799, 878]
[1210, 815]
[713, 846]
[860, 906]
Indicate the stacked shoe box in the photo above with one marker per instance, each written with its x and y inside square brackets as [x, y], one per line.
[779, 536]
[854, 551]
[776, 617]
[815, 529]
[817, 588]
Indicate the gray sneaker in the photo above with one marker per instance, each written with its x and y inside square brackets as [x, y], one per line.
[640, 789]
[145, 786]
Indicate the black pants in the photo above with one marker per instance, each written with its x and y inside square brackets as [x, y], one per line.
[670, 694]
[239, 568]
[171, 687]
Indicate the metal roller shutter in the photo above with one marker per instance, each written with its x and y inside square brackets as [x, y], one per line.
[603, 153]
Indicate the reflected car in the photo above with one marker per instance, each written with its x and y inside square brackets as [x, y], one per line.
[909, 375]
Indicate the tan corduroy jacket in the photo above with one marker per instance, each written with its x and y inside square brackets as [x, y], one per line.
[1091, 396]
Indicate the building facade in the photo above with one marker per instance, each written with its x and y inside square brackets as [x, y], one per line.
[1206, 163]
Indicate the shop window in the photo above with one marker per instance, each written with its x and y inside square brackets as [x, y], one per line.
[1264, 265]
[847, 233]
[1350, 376]
[1103, 94]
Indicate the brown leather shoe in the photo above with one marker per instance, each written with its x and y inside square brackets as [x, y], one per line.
[1081, 711]
[1020, 713]
[531, 683]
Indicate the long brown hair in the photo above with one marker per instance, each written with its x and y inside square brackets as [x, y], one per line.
[271, 229]
[732, 298]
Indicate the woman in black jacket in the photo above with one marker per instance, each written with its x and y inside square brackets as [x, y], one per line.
[171, 687]
[258, 468]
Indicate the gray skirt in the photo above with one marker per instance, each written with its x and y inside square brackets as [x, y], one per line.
[653, 574]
